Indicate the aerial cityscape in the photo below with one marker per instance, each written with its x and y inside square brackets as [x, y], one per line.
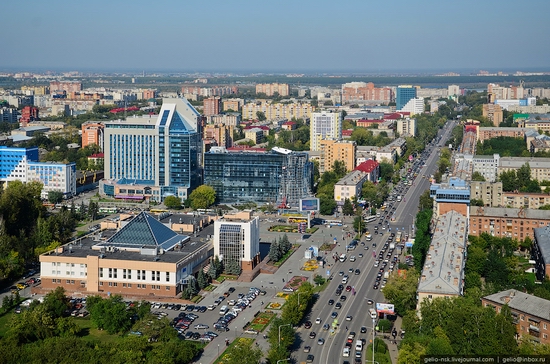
[285, 182]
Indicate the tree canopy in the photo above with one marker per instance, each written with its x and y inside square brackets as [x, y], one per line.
[202, 197]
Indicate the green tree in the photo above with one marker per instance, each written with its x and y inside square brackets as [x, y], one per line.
[55, 197]
[319, 280]
[401, 291]
[476, 176]
[476, 202]
[202, 197]
[274, 251]
[260, 115]
[384, 325]
[425, 202]
[56, 302]
[232, 266]
[202, 279]
[347, 209]
[172, 202]
[244, 353]
[109, 314]
[339, 169]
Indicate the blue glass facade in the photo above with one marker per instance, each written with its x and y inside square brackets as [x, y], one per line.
[12, 161]
[403, 95]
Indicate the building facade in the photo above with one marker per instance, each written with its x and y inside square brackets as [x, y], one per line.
[506, 222]
[337, 150]
[406, 127]
[362, 92]
[261, 177]
[493, 113]
[163, 151]
[324, 125]
[404, 93]
[237, 238]
[530, 314]
[212, 106]
[350, 186]
[271, 88]
[489, 192]
[525, 200]
[540, 252]
[92, 133]
[274, 111]
[487, 166]
[484, 133]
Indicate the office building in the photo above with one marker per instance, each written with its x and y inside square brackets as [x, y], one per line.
[404, 93]
[453, 90]
[8, 115]
[156, 156]
[324, 125]
[451, 196]
[259, 176]
[443, 272]
[530, 314]
[22, 164]
[237, 238]
[212, 106]
[142, 258]
[92, 133]
[65, 86]
[414, 106]
[337, 150]
[493, 113]
[505, 222]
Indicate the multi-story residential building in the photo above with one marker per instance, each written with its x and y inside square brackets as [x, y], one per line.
[451, 196]
[154, 157]
[259, 176]
[255, 135]
[525, 200]
[271, 88]
[540, 252]
[530, 314]
[443, 272]
[540, 167]
[453, 90]
[406, 127]
[277, 110]
[231, 120]
[489, 192]
[506, 222]
[212, 106]
[143, 258]
[366, 123]
[381, 154]
[92, 133]
[351, 185]
[404, 93]
[399, 145]
[542, 123]
[484, 133]
[28, 114]
[487, 166]
[337, 150]
[414, 106]
[209, 91]
[233, 104]
[324, 125]
[493, 113]
[530, 109]
[65, 86]
[237, 238]
[8, 115]
[362, 92]
[220, 133]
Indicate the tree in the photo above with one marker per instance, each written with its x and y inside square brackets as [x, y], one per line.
[93, 210]
[55, 197]
[202, 279]
[477, 176]
[56, 302]
[339, 168]
[202, 197]
[244, 353]
[401, 291]
[284, 244]
[232, 266]
[358, 224]
[384, 325]
[347, 209]
[274, 251]
[172, 202]
[476, 202]
[425, 202]
[109, 314]
[319, 280]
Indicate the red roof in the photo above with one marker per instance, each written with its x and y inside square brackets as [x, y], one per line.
[245, 148]
[397, 115]
[97, 155]
[471, 128]
[347, 132]
[289, 123]
[370, 121]
[263, 127]
[367, 166]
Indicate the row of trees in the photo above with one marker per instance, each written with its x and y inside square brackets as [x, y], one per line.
[504, 146]
[279, 248]
[202, 197]
[519, 180]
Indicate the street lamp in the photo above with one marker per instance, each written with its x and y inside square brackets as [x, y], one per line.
[218, 349]
[235, 332]
[299, 298]
[282, 360]
[280, 331]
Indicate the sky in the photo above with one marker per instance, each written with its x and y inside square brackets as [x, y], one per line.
[245, 36]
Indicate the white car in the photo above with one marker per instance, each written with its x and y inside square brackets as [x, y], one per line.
[251, 331]
[318, 320]
[345, 353]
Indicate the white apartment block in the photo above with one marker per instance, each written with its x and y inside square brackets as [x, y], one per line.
[324, 125]
[406, 127]
[414, 106]
[487, 166]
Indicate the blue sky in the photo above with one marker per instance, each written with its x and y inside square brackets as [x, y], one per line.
[277, 35]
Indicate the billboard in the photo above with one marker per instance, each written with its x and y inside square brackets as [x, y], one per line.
[309, 204]
[386, 308]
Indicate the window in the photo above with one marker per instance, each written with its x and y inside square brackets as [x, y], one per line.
[167, 288]
[158, 275]
[68, 281]
[72, 281]
[167, 276]
[110, 284]
[124, 285]
[115, 273]
[124, 274]
[100, 272]
[138, 276]
[129, 274]
[129, 285]
[110, 272]
[101, 283]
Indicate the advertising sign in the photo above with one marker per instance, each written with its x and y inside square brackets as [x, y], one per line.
[309, 204]
[386, 308]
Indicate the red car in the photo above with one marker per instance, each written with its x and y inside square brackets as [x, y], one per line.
[348, 288]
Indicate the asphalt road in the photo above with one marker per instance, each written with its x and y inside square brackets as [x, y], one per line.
[357, 305]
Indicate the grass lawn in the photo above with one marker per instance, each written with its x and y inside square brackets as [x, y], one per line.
[88, 332]
[261, 321]
[5, 320]
[233, 346]
[321, 288]
[209, 288]
[381, 354]
[197, 299]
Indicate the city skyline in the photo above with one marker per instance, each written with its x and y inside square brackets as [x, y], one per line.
[306, 36]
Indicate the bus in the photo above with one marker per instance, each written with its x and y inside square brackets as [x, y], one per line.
[296, 220]
[108, 210]
[398, 236]
[370, 218]
[330, 223]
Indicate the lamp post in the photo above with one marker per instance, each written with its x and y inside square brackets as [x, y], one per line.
[298, 299]
[235, 332]
[280, 331]
[218, 349]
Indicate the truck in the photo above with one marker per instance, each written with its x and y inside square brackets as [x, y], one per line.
[343, 258]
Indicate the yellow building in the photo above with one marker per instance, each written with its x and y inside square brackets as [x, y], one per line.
[277, 111]
[493, 113]
[341, 150]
